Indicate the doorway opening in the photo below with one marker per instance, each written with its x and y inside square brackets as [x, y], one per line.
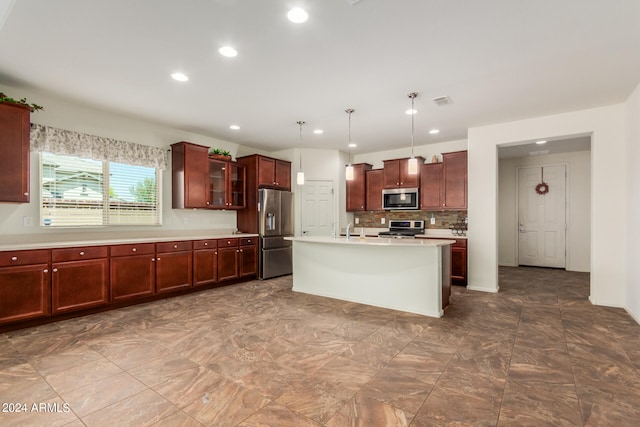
[544, 204]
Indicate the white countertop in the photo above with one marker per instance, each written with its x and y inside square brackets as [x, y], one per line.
[372, 241]
[66, 240]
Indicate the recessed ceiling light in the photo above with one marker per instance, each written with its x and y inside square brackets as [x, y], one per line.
[541, 142]
[297, 15]
[434, 131]
[352, 145]
[234, 127]
[411, 111]
[180, 77]
[228, 51]
[318, 131]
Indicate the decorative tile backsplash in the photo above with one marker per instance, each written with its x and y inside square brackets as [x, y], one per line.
[372, 219]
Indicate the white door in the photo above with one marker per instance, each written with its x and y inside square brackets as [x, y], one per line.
[542, 217]
[317, 208]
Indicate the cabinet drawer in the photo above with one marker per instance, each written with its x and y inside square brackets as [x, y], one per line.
[460, 243]
[227, 243]
[205, 244]
[75, 254]
[247, 241]
[10, 258]
[173, 247]
[134, 249]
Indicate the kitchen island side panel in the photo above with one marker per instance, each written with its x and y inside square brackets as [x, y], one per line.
[402, 278]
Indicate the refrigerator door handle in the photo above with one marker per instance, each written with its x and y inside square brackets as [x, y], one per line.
[271, 221]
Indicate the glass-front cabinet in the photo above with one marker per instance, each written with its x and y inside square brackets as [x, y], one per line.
[226, 185]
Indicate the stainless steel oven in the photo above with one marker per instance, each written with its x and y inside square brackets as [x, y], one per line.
[400, 198]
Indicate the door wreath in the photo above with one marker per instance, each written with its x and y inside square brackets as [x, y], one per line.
[543, 187]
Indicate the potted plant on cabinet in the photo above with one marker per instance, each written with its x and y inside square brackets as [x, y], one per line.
[216, 153]
[23, 102]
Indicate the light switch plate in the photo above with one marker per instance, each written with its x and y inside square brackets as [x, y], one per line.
[357, 220]
[383, 220]
[433, 221]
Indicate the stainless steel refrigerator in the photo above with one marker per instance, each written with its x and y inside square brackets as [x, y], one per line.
[275, 222]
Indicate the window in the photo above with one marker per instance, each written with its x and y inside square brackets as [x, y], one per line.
[83, 192]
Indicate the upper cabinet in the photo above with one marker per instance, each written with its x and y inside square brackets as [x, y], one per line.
[374, 184]
[263, 171]
[14, 153]
[190, 173]
[454, 180]
[443, 186]
[201, 182]
[356, 191]
[396, 173]
[227, 182]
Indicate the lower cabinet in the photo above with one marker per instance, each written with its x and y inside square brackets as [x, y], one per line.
[174, 261]
[459, 262]
[228, 254]
[133, 271]
[205, 262]
[25, 291]
[248, 259]
[79, 278]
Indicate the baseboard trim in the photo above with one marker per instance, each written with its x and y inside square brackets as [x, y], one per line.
[481, 289]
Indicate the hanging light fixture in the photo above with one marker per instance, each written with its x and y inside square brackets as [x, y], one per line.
[348, 173]
[413, 162]
[300, 175]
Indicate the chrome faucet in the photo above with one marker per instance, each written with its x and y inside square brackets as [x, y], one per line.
[348, 231]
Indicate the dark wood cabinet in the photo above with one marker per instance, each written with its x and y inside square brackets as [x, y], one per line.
[227, 185]
[79, 278]
[273, 173]
[356, 188]
[454, 180]
[396, 173]
[132, 271]
[14, 153]
[174, 266]
[25, 291]
[459, 262]
[228, 254]
[431, 186]
[261, 172]
[205, 262]
[190, 175]
[248, 256]
[374, 184]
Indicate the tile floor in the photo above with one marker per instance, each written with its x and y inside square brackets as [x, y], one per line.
[257, 354]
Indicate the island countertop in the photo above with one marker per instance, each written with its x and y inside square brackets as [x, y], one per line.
[372, 241]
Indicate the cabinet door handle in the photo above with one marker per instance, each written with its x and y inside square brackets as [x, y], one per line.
[206, 244]
[55, 270]
[26, 194]
[133, 249]
[158, 259]
[46, 270]
[215, 253]
[249, 240]
[175, 246]
[14, 258]
[237, 250]
[81, 252]
[240, 250]
[153, 260]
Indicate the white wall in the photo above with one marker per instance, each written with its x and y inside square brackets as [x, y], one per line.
[609, 191]
[578, 206]
[633, 230]
[67, 115]
[426, 151]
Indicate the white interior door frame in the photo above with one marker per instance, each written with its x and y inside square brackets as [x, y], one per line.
[566, 265]
[324, 225]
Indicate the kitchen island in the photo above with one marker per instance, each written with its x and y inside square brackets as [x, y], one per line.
[411, 275]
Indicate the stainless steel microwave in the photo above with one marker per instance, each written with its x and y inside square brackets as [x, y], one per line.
[400, 198]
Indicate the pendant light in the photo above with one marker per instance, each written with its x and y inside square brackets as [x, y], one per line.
[412, 168]
[300, 175]
[348, 173]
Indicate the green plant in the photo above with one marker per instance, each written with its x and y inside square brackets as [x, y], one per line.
[23, 101]
[219, 152]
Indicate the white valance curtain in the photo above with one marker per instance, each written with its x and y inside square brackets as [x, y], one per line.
[70, 143]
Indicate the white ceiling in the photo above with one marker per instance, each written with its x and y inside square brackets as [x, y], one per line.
[498, 60]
